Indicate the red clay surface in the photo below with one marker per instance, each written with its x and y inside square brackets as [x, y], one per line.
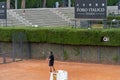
[39, 70]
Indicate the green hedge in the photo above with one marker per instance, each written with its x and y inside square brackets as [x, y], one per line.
[110, 17]
[65, 35]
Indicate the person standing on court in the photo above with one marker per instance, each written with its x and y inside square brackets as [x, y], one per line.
[51, 61]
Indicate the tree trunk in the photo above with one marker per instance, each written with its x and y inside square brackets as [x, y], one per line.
[8, 4]
[23, 4]
[44, 3]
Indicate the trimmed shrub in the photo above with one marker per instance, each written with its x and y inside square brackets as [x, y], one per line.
[70, 36]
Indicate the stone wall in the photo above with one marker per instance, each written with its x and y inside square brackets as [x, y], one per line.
[94, 54]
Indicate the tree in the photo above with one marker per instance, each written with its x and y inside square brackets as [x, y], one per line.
[112, 2]
[23, 4]
[44, 3]
[8, 4]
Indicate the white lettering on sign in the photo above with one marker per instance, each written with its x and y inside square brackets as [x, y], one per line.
[90, 4]
[96, 9]
[96, 4]
[83, 4]
[82, 9]
[90, 9]
[103, 4]
[3, 6]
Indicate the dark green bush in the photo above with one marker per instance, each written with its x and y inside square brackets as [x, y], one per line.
[111, 17]
[65, 35]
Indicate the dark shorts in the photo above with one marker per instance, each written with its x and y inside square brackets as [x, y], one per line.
[51, 63]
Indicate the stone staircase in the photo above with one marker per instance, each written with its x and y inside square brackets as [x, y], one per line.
[42, 17]
[21, 20]
[39, 17]
[67, 14]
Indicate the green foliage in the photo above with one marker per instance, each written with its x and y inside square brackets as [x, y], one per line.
[2, 0]
[33, 3]
[37, 35]
[111, 2]
[70, 36]
[50, 3]
[110, 17]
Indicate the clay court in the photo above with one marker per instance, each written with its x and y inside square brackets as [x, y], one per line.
[39, 70]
